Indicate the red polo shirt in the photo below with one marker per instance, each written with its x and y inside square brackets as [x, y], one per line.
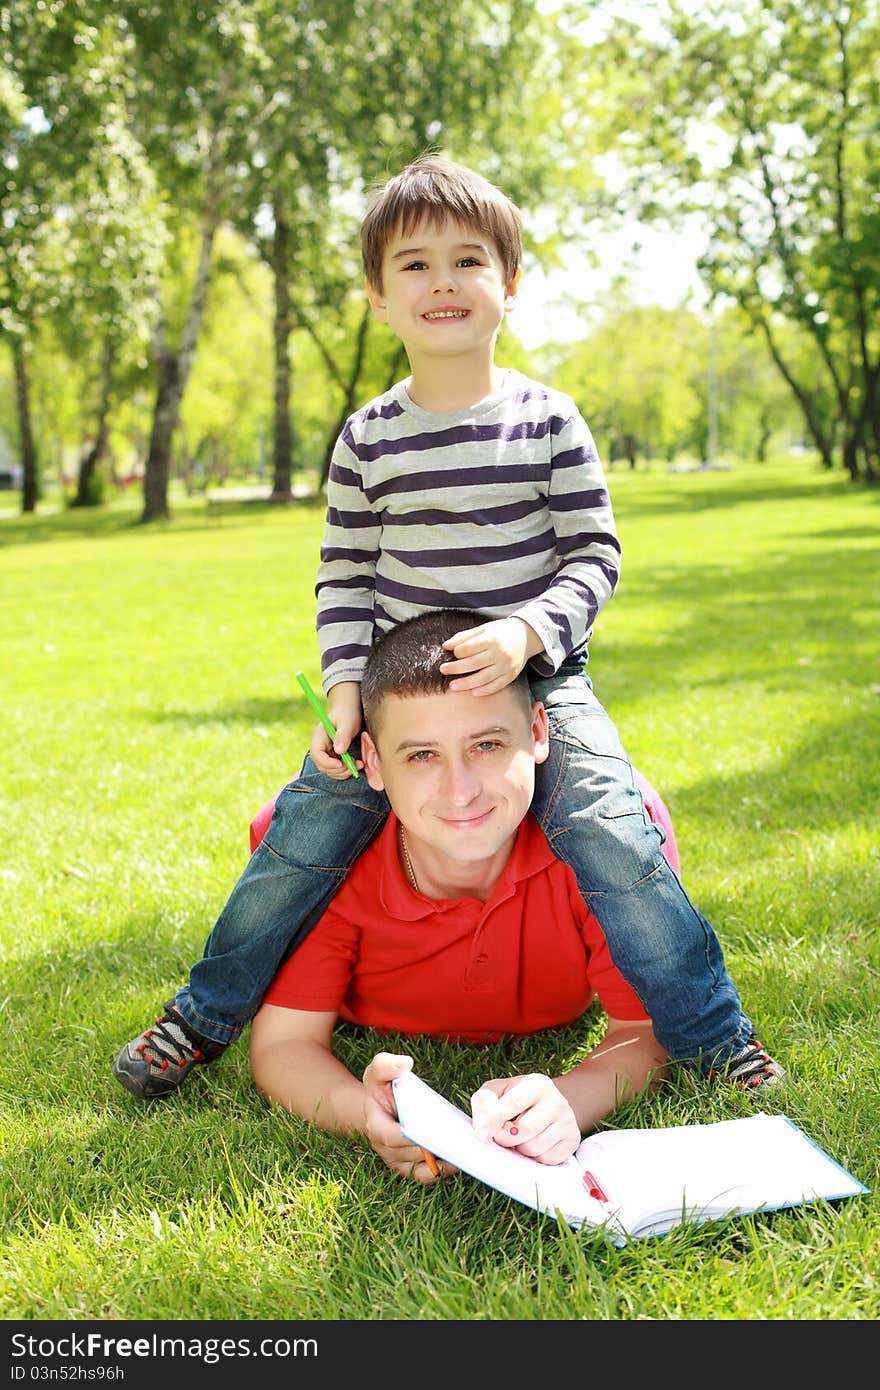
[531, 957]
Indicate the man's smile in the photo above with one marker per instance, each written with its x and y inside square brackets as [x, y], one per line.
[466, 822]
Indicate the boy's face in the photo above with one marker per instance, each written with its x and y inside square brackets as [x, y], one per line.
[443, 289]
[459, 770]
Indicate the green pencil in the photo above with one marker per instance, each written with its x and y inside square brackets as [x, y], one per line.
[325, 720]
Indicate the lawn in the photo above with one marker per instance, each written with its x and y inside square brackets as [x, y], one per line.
[149, 709]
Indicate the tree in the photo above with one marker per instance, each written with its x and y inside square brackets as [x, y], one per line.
[374, 88]
[636, 378]
[764, 116]
[79, 237]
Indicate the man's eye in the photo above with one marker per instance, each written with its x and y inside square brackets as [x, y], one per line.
[488, 745]
[421, 756]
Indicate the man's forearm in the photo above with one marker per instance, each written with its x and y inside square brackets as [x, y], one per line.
[616, 1070]
[310, 1082]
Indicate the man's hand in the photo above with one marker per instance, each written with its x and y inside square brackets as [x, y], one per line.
[381, 1125]
[489, 657]
[344, 709]
[526, 1113]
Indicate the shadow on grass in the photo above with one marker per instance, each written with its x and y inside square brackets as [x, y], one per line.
[114, 522]
[691, 495]
[256, 710]
[770, 608]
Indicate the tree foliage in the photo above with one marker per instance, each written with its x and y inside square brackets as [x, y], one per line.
[764, 116]
[183, 180]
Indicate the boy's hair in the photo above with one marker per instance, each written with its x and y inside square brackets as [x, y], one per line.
[430, 189]
[407, 659]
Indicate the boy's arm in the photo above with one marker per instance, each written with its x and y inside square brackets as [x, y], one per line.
[346, 716]
[292, 1063]
[486, 658]
[587, 545]
[546, 1117]
[346, 577]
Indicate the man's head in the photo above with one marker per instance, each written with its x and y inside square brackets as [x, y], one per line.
[407, 660]
[432, 191]
[458, 768]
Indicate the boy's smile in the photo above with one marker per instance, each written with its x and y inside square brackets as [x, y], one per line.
[443, 292]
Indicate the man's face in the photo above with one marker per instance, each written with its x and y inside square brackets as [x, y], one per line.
[443, 289]
[459, 770]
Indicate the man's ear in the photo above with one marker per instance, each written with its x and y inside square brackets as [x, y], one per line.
[511, 290]
[370, 756]
[540, 732]
[377, 301]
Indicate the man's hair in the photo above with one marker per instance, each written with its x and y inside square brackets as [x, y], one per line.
[430, 189]
[406, 661]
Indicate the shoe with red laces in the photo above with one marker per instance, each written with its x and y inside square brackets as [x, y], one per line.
[751, 1069]
[162, 1057]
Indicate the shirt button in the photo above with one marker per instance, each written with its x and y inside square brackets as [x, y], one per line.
[481, 960]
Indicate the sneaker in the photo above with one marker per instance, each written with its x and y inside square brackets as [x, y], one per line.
[752, 1068]
[156, 1062]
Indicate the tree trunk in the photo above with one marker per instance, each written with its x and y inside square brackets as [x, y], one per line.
[165, 415]
[764, 433]
[89, 463]
[349, 387]
[820, 437]
[173, 369]
[28, 453]
[282, 450]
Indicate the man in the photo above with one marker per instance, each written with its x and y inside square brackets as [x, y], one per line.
[458, 922]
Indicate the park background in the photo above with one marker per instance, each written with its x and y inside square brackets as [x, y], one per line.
[185, 331]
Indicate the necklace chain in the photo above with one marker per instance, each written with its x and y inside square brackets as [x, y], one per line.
[407, 862]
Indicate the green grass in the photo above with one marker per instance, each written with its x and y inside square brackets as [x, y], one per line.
[149, 709]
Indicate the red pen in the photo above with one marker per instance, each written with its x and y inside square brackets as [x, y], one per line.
[593, 1187]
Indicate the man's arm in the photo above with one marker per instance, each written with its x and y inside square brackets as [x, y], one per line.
[626, 1062]
[293, 1065]
[546, 1118]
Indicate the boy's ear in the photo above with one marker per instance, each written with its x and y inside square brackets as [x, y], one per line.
[512, 290]
[370, 757]
[377, 302]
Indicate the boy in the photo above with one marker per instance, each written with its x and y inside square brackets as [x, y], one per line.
[470, 487]
[458, 922]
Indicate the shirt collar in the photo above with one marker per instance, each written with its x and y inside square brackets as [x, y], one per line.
[530, 855]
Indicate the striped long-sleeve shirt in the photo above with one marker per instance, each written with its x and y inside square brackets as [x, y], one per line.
[502, 508]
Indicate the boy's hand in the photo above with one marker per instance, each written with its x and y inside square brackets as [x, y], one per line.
[344, 709]
[526, 1113]
[489, 657]
[381, 1125]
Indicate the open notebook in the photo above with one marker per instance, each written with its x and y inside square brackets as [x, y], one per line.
[638, 1182]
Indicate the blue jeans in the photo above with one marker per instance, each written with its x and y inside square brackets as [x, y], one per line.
[589, 807]
[594, 817]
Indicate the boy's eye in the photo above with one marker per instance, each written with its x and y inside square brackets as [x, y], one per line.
[468, 261]
[414, 265]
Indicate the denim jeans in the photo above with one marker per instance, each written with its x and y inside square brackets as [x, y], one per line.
[594, 817]
[319, 827]
[592, 812]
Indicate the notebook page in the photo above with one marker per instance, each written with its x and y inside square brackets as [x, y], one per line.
[733, 1165]
[429, 1119]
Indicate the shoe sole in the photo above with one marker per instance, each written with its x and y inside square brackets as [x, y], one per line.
[144, 1091]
